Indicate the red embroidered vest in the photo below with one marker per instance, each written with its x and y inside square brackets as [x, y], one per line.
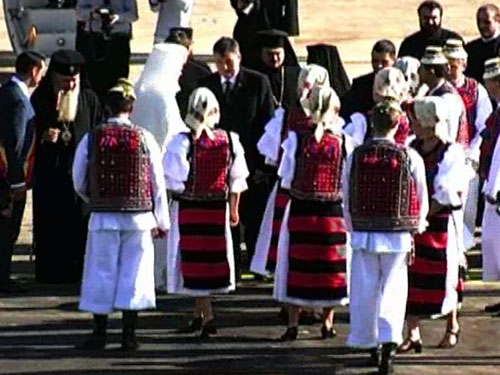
[319, 168]
[209, 161]
[469, 95]
[120, 169]
[382, 191]
[490, 135]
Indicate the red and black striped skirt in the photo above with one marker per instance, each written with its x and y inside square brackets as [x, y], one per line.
[280, 202]
[316, 256]
[203, 247]
[427, 275]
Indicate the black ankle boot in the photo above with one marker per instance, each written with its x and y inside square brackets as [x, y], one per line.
[387, 360]
[98, 338]
[208, 329]
[129, 341]
[375, 356]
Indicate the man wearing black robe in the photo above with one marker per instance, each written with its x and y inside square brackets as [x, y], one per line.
[283, 78]
[193, 70]
[64, 112]
[488, 45]
[430, 15]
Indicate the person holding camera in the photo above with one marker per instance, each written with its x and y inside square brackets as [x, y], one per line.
[171, 14]
[105, 41]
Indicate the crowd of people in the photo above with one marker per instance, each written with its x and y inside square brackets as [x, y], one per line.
[366, 195]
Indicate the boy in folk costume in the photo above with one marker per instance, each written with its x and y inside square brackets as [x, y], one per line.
[478, 108]
[433, 274]
[385, 198]
[298, 119]
[389, 83]
[489, 171]
[206, 172]
[118, 171]
[311, 265]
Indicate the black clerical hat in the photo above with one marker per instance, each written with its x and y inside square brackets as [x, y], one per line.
[188, 31]
[272, 38]
[66, 62]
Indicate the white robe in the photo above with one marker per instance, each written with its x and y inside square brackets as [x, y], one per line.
[379, 272]
[119, 258]
[177, 167]
[171, 13]
[286, 172]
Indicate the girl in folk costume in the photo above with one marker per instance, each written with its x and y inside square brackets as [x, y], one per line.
[389, 83]
[433, 275]
[299, 120]
[386, 201]
[490, 172]
[311, 264]
[118, 171]
[478, 108]
[206, 171]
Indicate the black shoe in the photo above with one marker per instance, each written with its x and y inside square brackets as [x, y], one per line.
[386, 366]
[408, 345]
[375, 357]
[98, 338]
[328, 333]
[290, 334]
[129, 340]
[194, 326]
[492, 308]
[208, 329]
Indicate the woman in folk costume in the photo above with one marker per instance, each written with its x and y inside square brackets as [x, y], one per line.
[118, 171]
[409, 67]
[389, 83]
[298, 119]
[205, 170]
[156, 110]
[385, 198]
[433, 275]
[311, 265]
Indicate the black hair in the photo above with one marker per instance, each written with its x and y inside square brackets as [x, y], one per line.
[384, 46]
[28, 60]
[440, 70]
[226, 45]
[430, 5]
[179, 37]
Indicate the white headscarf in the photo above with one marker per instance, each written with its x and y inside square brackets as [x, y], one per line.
[390, 83]
[156, 108]
[432, 112]
[310, 76]
[203, 112]
[409, 67]
[325, 106]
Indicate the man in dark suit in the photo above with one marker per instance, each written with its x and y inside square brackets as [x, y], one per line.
[488, 45]
[430, 16]
[246, 105]
[16, 139]
[360, 97]
[193, 69]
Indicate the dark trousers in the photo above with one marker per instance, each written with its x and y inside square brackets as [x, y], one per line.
[106, 59]
[9, 231]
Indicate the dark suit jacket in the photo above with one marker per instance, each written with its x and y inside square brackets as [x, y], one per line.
[478, 52]
[414, 44]
[192, 72]
[250, 108]
[16, 129]
[359, 98]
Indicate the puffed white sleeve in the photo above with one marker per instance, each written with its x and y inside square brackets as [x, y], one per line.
[238, 173]
[175, 163]
[452, 177]
[286, 169]
[160, 200]
[269, 143]
[356, 129]
[483, 111]
[456, 109]
[80, 169]
[417, 168]
[346, 175]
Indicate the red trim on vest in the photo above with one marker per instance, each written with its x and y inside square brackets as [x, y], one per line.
[490, 136]
[469, 94]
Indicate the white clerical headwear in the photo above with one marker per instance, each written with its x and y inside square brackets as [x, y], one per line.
[409, 67]
[491, 68]
[390, 83]
[203, 111]
[434, 55]
[432, 112]
[311, 75]
[454, 49]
